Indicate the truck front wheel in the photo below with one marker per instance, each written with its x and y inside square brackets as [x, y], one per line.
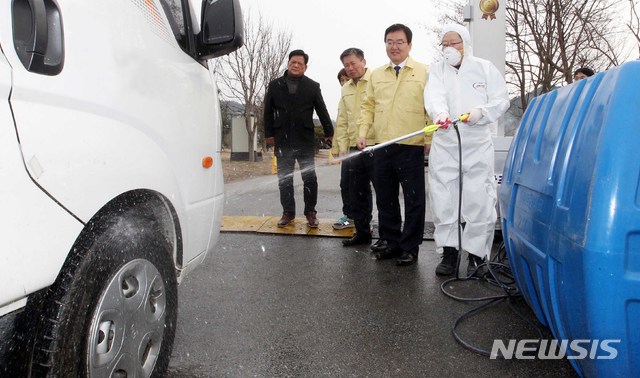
[112, 312]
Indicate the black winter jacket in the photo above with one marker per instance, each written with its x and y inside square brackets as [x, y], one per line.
[289, 117]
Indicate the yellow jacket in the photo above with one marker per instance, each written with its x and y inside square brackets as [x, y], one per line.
[394, 106]
[346, 134]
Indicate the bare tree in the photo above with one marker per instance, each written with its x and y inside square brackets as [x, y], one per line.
[548, 39]
[634, 22]
[445, 12]
[245, 74]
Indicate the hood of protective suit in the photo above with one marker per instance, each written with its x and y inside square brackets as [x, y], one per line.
[463, 33]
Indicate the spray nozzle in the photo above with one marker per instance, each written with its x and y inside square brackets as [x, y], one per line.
[464, 117]
[446, 123]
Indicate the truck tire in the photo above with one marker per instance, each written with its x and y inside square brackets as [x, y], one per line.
[112, 311]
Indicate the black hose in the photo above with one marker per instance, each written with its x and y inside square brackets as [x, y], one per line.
[498, 270]
[455, 126]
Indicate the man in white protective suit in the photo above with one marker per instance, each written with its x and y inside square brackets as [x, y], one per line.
[460, 84]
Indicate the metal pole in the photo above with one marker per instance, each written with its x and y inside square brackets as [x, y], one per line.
[392, 141]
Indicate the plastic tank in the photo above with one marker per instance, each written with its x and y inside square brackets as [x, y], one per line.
[570, 204]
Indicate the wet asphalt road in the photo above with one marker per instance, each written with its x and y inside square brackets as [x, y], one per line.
[275, 306]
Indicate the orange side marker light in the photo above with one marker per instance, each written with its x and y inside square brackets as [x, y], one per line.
[207, 162]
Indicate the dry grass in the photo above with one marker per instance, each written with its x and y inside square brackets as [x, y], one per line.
[242, 170]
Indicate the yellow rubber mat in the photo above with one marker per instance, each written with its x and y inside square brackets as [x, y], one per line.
[269, 225]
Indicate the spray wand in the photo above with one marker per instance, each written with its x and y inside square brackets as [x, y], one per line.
[426, 130]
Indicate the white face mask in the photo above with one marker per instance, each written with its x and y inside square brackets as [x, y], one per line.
[452, 55]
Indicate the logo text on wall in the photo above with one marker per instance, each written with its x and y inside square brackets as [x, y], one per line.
[578, 349]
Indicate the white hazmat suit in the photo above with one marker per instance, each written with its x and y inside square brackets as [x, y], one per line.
[476, 87]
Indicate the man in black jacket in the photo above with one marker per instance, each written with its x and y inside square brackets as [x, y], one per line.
[288, 125]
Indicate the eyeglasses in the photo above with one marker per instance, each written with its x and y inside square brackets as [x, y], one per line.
[398, 43]
[449, 44]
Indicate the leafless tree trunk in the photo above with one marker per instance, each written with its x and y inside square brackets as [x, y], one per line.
[245, 74]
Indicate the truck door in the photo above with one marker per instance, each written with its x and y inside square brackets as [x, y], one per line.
[128, 110]
[32, 225]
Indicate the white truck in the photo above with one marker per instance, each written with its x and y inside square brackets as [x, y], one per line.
[111, 186]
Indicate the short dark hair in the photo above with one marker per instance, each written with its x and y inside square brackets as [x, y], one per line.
[342, 73]
[352, 51]
[584, 70]
[299, 53]
[399, 27]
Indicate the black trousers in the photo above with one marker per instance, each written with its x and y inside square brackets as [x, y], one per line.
[398, 166]
[286, 159]
[361, 176]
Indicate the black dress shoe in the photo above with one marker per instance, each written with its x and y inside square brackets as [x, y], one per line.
[357, 239]
[407, 258]
[387, 254]
[379, 246]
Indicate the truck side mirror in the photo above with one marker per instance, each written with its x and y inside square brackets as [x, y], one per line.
[222, 28]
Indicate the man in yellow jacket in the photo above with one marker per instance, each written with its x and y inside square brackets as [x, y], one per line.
[359, 167]
[394, 106]
[346, 220]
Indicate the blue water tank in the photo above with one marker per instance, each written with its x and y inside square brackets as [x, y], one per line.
[570, 204]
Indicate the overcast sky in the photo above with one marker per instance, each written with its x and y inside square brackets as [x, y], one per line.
[323, 29]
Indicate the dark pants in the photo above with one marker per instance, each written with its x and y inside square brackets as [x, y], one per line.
[344, 188]
[400, 165]
[361, 175]
[286, 165]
